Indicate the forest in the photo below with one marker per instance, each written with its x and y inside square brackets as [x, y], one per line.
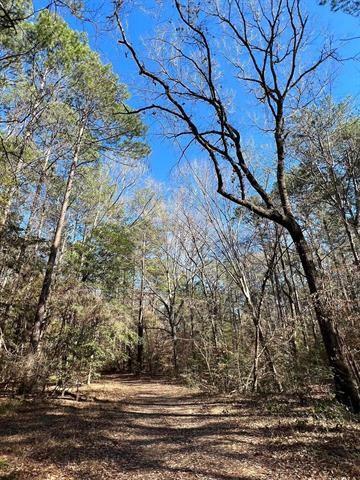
[230, 282]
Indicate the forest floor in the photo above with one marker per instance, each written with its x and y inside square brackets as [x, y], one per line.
[154, 429]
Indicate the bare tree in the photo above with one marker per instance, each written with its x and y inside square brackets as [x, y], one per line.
[264, 50]
[220, 235]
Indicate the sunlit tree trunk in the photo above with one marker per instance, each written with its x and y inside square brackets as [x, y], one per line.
[39, 321]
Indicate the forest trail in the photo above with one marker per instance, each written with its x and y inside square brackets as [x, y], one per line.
[152, 429]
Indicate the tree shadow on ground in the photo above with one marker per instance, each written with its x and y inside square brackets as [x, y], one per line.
[174, 436]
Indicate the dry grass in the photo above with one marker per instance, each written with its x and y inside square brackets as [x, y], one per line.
[151, 429]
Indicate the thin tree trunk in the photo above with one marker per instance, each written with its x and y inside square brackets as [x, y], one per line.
[11, 194]
[256, 315]
[33, 209]
[256, 360]
[174, 345]
[140, 329]
[351, 243]
[289, 294]
[55, 246]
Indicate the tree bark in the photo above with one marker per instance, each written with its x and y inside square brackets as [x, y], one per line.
[346, 388]
[174, 348]
[140, 329]
[39, 320]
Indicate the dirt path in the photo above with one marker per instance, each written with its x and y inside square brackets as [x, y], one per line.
[142, 429]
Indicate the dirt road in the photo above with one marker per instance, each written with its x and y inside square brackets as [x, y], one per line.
[151, 429]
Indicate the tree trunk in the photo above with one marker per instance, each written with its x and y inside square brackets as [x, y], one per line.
[39, 320]
[352, 243]
[256, 360]
[256, 318]
[140, 329]
[33, 209]
[174, 348]
[11, 195]
[346, 388]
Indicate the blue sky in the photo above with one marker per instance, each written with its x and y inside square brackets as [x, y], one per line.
[165, 155]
